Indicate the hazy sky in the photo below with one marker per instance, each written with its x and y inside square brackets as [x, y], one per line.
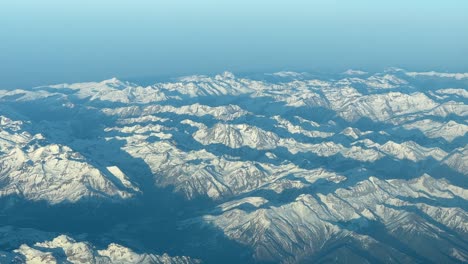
[53, 41]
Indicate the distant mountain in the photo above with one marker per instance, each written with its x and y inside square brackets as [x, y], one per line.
[291, 168]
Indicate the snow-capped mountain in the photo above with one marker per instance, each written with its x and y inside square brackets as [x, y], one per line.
[34, 169]
[64, 249]
[292, 168]
[316, 221]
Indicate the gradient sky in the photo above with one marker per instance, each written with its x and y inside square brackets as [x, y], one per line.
[54, 41]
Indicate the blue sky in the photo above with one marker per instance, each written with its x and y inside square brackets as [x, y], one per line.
[53, 41]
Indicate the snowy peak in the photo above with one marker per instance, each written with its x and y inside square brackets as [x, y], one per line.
[368, 201]
[236, 136]
[64, 249]
[37, 170]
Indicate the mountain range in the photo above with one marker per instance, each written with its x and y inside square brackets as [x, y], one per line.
[285, 167]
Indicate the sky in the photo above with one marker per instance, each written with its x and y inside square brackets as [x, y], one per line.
[56, 41]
